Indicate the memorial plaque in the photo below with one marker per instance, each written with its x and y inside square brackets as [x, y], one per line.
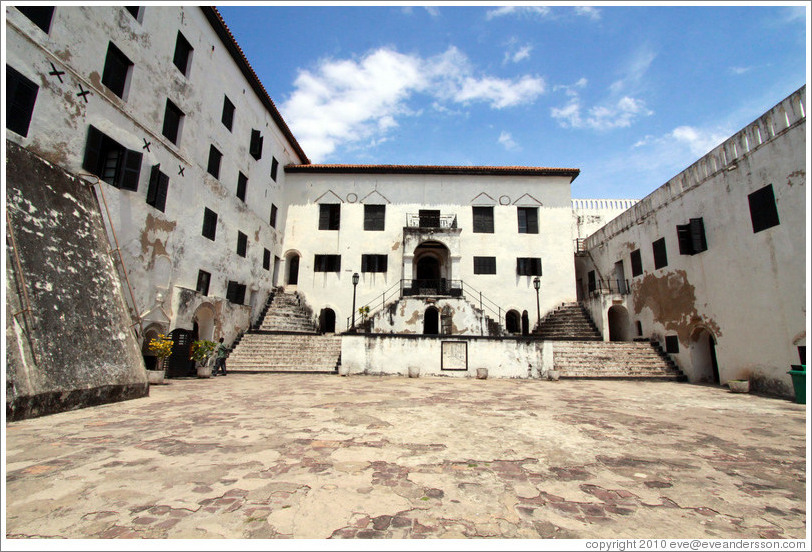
[454, 355]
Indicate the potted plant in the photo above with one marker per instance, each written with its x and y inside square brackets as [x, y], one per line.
[202, 354]
[364, 312]
[162, 347]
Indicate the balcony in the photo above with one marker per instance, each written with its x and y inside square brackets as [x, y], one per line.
[431, 220]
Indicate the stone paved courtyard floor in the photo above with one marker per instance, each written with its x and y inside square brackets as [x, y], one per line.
[321, 456]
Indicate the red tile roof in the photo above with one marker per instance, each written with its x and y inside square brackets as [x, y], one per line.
[433, 169]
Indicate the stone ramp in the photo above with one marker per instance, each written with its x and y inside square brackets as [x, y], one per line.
[614, 360]
[568, 322]
[286, 352]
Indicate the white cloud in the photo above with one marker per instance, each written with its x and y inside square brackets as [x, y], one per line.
[634, 72]
[571, 89]
[507, 141]
[518, 55]
[518, 10]
[588, 11]
[433, 11]
[354, 101]
[692, 141]
[740, 70]
[601, 117]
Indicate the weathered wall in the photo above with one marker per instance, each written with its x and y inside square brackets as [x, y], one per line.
[69, 341]
[748, 289]
[394, 354]
[451, 194]
[590, 215]
[407, 315]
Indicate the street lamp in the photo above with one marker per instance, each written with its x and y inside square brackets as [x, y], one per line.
[537, 285]
[355, 279]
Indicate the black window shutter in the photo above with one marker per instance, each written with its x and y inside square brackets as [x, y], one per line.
[93, 151]
[684, 238]
[256, 145]
[698, 235]
[324, 217]
[637, 263]
[130, 170]
[274, 168]
[152, 189]
[537, 267]
[21, 95]
[365, 263]
[383, 261]
[522, 221]
[591, 280]
[532, 221]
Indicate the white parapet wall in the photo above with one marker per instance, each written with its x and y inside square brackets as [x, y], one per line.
[449, 356]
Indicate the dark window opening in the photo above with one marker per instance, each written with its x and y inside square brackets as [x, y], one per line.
[173, 121]
[637, 263]
[273, 215]
[660, 256]
[203, 281]
[528, 266]
[235, 293]
[158, 188]
[672, 344]
[135, 11]
[429, 218]
[266, 259]
[209, 223]
[374, 217]
[21, 95]
[329, 216]
[639, 329]
[763, 211]
[590, 281]
[327, 263]
[484, 265]
[483, 220]
[117, 69]
[183, 54]
[228, 113]
[214, 162]
[374, 263]
[40, 16]
[802, 354]
[242, 244]
[242, 186]
[274, 168]
[111, 161]
[691, 237]
[528, 220]
[255, 149]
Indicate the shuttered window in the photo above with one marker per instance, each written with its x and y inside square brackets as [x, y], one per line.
[21, 95]
[242, 244]
[228, 113]
[273, 216]
[637, 263]
[209, 223]
[483, 220]
[242, 186]
[255, 149]
[215, 157]
[158, 188]
[117, 68]
[374, 263]
[111, 161]
[763, 211]
[484, 265]
[40, 16]
[183, 54]
[374, 217]
[528, 220]
[691, 237]
[528, 266]
[329, 216]
[327, 263]
[173, 119]
[660, 256]
[235, 292]
[203, 281]
[274, 168]
[266, 259]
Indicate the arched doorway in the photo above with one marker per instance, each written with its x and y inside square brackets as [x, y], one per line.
[703, 356]
[293, 269]
[512, 322]
[204, 322]
[327, 320]
[150, 358]
[525, 323]
[178, 364]
[619, 323]
[428, 268]
[432, 269]
[431, 321]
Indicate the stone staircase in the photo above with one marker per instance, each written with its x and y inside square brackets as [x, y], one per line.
[285, 341]
[636, 360]
[568, 322]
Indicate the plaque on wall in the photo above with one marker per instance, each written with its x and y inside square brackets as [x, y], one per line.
[454, 355]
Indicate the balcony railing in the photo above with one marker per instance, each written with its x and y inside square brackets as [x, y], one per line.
[600, 287]
[423, 220]
[580, 245]
[450, 288]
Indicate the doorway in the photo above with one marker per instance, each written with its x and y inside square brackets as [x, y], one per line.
[178, 365]
[431, 321]
[293, 270]
[703, 356]
[327, 321]
[619, 324]
[525, 323]
[512, 322]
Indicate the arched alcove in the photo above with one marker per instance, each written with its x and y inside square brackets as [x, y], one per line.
[703, 356]
[619, 325]
[513, 322]
[327, 320]
[431, 321]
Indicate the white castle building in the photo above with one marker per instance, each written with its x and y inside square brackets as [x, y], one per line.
[210, 206]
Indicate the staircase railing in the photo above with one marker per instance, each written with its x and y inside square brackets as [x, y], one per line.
[379, 302]
[602, 286]
[484, 303]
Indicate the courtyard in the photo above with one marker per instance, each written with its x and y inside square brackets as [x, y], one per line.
[322, 456]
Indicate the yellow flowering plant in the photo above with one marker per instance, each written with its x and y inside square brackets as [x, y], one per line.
[202, 349]
[161, 346]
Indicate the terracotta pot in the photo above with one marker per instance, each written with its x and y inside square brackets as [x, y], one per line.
[481, 373]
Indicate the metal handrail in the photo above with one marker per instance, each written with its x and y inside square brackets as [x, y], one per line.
[604, 286]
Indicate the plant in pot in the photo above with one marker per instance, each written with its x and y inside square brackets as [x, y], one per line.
[203, 355]
[364, 312]
[162, 347]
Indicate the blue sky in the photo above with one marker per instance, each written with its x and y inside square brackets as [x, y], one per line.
[630, 95]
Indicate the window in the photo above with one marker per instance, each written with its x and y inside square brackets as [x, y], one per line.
[158, 187]
[209, 223]
[528, 266]
[255, 149]
[484, 265]
[763, 212]
[135, 11]
[21, 95]
[691, 237]
[228, 113]
[173, 122]
[637, 263]
[672, 344]
[374, 217]
[183, 54]
[111, 161]
[528, 220]
[266, 260]
[274, 168]
[203, 281]
[591, 281]
[242, 244]
[329, 216]
[117, 70]
[660, 257]
[242, 185]
[273, 215]
[39, 15]
[235, 293]
[483, 220]
[327, 263]
[214, 161]
[374, 263]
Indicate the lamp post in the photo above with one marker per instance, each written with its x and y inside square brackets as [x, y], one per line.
[537, 285]
[355, 279]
